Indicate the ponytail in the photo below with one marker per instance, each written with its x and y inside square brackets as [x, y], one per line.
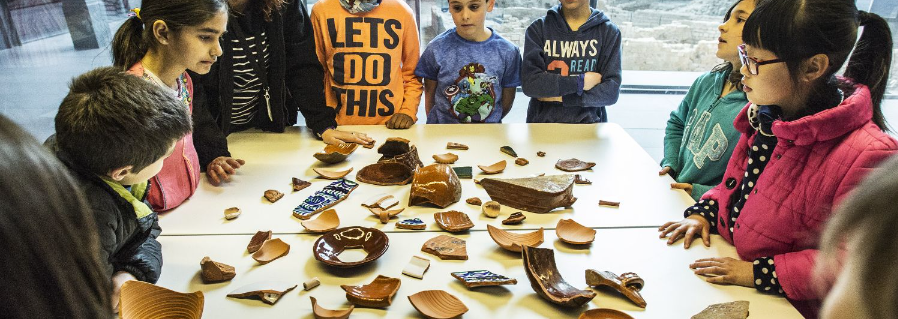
[129, 45]
[871, 60]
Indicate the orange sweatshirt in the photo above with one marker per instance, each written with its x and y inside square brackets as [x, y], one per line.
[369, 61]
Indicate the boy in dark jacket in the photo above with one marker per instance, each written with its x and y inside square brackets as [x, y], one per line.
[113, 131]
[572, 65]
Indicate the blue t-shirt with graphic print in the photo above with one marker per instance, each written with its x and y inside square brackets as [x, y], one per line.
[470, 77]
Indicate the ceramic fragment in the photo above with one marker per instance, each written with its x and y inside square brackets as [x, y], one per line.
[573, 165]
[329, 174]
[453, 221]
[482, 278]
[608, 203]
[333, 154]
[464, 172]
[491, 209]
[416, 267]
[384, 215]
[311, 283]
[572, 232]
[579, 179]
[400, 150]
[385, 174]
[495, 168]
[258, 239]
[535, 194]
[299, 184]
[413, 223]
[384, 201]
[231, 213]
[515, 242]
[520, 161]
[273, 195]
[447, 158]
[604, 313]
[213, 272]
[436, 184]
[437, 304]
[514, 219]
[325, 222]
[141, 300]
[539, 264]
[456, 146]
[329, 246]
[446, 247]
[377, 294]
[474, 201]
[272, 249]
[323, 313]
[729, 310]
[327, 197]
[628, 284]
[508, 150]
[267, 291]
[541, 154]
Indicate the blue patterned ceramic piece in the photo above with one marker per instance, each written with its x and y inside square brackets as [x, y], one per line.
[481, 278]
[329, 196]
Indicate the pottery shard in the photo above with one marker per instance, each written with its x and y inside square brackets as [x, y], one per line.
[385, 173]
[628, 284]
[258, 239]
[333, 154]
[231, 213]
[546, 280]
[447, 158]
[573, 165]
[474, 201]
[268, 292]
[514, 219]
[508, 150]
[608, 203]
[413, 223]
[579, 179]
[539, 194]
[273, 195]
[446, 247]
[491, 209]
[299, 184]
[521, 161]
[215, 271]
[496, 168]
[541, 154]
[400, 150]
[456, 146]
[436, 184]
[729, 310]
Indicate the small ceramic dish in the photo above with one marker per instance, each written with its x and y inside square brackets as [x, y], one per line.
[378, 294]
[491, 209]
[573, 165]
[436, 184]
[141, 300]
[628, 284]
[604, 313]
[267, 291]
[539, 264]
[453, 221]
[333, 154]
[446, 247]
[482, 278]
[322, 313]
[213, 271]
[515, 242]
[571, 232]
[385, 173]
[447, 158]
[456, 146]
[258, 239]
[272, 249]
[325, 222]
[437, 304]
[496, 168]
[329, 246]
[328, 174]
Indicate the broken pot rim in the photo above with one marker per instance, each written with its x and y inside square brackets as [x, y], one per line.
[495, 168]
[325, 221]
[273, 248]
[513, 241]
[328, 313]
[572, 232]
[331, 174]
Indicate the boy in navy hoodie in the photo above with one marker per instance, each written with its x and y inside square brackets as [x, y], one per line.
[572, 65]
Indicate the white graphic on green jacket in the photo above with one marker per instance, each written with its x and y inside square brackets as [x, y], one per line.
[713, 148]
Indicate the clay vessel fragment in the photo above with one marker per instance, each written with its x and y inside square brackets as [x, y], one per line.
[514, 219]
[272, 249]
[453, 221]
[521, 161]
[474, 201]
[258, 239]
[628, 284]
[463, 172]
[508, 150]
[447, 158]
[437, 304]
[436, 184]
[213, 272]
[333, 154]
[299, 184]
[608, 203]
[378, 294]
[267, 291]
[141, 300]
[273, 195]
[384, 215]
[491, 209]
[385, 173]
[329, 174]
[573, 165]
[579, 179]
[539, 194]
[496, 168]
[604, 313]
[541, 154]
[539, 264]
[311, 283]
[416, 267]
[456, 146]
[329, 246]
[322, 313]
[231, 213]
[413, 223]
[400, 150]
[327, 221]
[515, 242]
[383, 201]
[482, 278]
[325, 198]
[729, 310]
[446, 247]
[571, 232]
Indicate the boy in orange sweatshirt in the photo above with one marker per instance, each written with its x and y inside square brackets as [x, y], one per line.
[369, 50]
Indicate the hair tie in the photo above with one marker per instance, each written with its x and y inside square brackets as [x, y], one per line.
[135, 13]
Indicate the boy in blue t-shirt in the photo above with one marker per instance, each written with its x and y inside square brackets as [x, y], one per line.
[470, 72]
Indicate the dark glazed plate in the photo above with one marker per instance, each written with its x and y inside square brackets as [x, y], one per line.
[329, 246]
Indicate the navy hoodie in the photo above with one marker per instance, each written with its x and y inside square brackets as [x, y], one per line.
[553, 56]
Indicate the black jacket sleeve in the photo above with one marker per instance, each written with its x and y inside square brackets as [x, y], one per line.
[143, 257]
[304, 75]
[208, 139]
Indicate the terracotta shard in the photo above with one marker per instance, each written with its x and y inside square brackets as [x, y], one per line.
[258, 239]
[456, 146]
[400, 150]
[521, 161]
[329, 174]
[384, 201]
[539, 264]
[573, 165]
[463, 172]
[446, 247]
[383, 214]
[141, 300]
[453, 221]
[571, 232]
[325, 222]
[539, 194]
[414, 223]
[273, 195]
[628, 284]
[333, 154]
[231, 213]
[323, 313]
[496, 168]
[482, 278]
[378, 294]
[508, 150]
[541, 154]
[369, 145]
[729, 310]
[474, 201]
[299, 184]
[267, 291]
[491, 209]
[608, 203]
[436, 184]
[329, 246]
[437, 304]
[416, 267]
[579, 179]
[272, 249]
[515, 242]
[604, 313]
[213, 272]
[311, 283]
[327, 197]
[514, 219]
[447, 158]
[385, 174]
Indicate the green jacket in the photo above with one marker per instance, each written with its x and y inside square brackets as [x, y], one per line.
[700, 136]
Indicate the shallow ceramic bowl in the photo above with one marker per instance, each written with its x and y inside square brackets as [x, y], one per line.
[436, 184]
[496, 168]
[272, 249]
[325, 222]
[378, 294]
[329, 246]
[385, 173]
[322, 313]
[515, 242]
[573, 165]
[539, 264]
[453, 221]
[437, 304]
[140, 300]
[333, 154]
[571, 232]
[604, 313]
[328, 174]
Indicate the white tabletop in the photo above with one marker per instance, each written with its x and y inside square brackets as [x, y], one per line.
[625, 173]
[671, 289]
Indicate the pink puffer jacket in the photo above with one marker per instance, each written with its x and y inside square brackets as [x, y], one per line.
[817, 161]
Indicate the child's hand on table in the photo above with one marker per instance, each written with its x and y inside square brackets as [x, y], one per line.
[687, 229]
[221, 168]
[725, 271]
[335, 137]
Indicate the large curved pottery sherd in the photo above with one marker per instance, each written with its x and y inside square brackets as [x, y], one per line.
[539, 194]
[400, 150]
[539, 264]
[453, 221]
[629, 284]
[329, 174]
[378, 294]
[140, 300]
[267, 291]
[272, 249]
[333, 154]
[329, 196]
[322, 313]
[496, 168]
[572, 232]
[437, 304]
[436, 184]
[604, 313]
[328, 247]
[327, 221]
[258, 239]
[515, 242]
[386, 173]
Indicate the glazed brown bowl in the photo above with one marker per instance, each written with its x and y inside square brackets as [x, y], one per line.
[328, 247]
[378, 294]
[385, 173]
[436, 184]
[333, 154]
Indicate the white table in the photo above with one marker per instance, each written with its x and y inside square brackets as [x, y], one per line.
[671, 289]
[624, 173]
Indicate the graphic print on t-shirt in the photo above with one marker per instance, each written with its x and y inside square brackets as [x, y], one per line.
[711, 149]
[571, 57]
[472, 98]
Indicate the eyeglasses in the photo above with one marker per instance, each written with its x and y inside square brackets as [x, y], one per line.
[753, 64]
